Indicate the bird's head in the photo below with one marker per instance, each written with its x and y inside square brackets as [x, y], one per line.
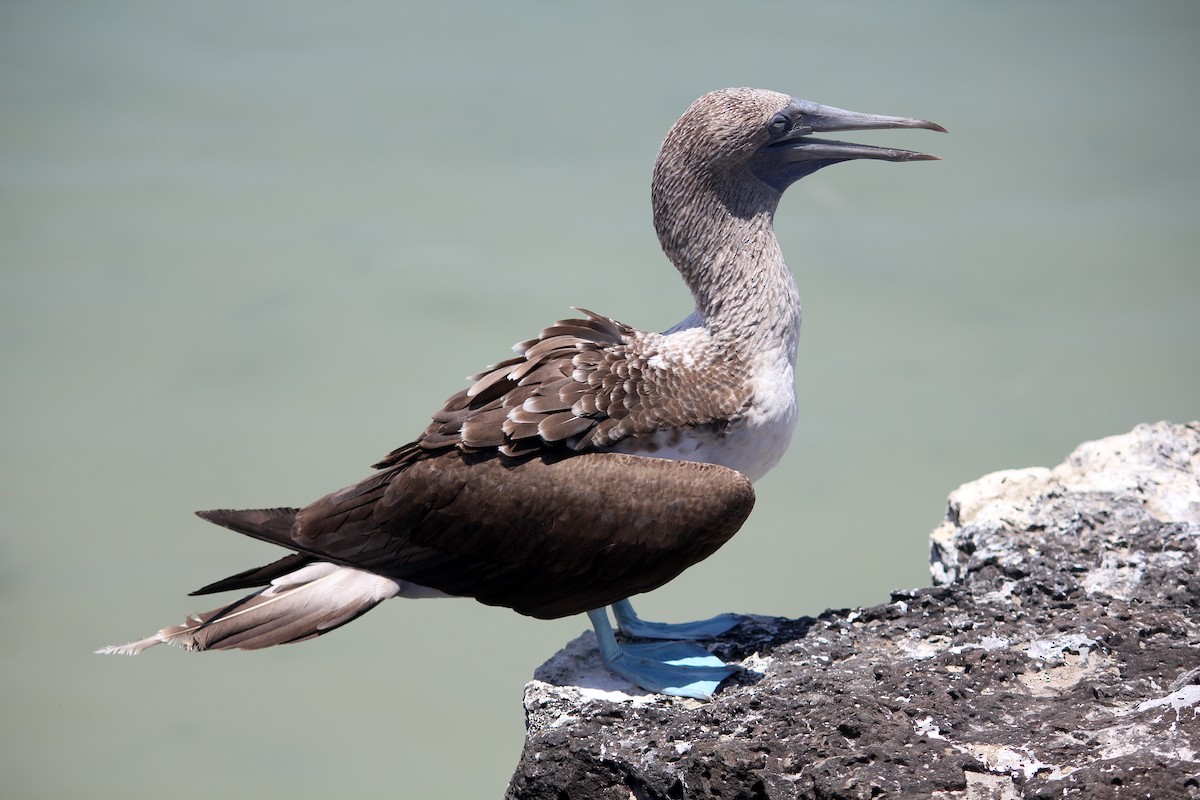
[770, 135]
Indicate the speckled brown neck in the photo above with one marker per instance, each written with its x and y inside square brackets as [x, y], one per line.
[718, 232]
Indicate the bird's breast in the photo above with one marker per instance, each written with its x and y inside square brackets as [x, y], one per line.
[752, 442]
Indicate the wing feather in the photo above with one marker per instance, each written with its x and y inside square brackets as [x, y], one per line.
[584, 383]
[546, 536]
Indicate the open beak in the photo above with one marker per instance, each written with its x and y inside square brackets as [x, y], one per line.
[797, 153]
[815, 118]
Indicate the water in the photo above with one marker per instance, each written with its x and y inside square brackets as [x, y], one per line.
[245, 249]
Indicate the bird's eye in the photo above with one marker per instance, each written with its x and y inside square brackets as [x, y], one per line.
[780, 123]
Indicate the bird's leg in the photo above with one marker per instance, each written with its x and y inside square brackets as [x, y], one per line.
[634, 626]
[675, 668]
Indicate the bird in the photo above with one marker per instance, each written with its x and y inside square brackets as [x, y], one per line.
[601, 460]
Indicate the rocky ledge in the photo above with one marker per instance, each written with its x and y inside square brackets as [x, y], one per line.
[1057, 655]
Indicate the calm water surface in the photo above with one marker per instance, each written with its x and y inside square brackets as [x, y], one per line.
[246, 249]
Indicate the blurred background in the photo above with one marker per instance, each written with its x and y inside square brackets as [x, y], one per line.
[248, 248]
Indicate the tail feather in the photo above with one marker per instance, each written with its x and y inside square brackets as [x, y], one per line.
[269, 524]
[309, 602]
[258, 576]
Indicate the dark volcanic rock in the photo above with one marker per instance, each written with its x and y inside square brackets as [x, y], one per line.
[1057, 656]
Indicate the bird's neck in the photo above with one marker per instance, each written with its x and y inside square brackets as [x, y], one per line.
[720, 236]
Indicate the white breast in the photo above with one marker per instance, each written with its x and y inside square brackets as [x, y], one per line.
[755, 443]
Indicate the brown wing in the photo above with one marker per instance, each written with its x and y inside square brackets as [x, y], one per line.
[547, 537]
[582, 384]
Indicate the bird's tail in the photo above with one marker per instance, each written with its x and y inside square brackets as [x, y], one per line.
[308, 602]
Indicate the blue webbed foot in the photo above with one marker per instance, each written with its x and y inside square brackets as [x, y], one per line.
[634, 626]
[673, 668]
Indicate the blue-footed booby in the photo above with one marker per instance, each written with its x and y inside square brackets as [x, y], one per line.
[601, 461]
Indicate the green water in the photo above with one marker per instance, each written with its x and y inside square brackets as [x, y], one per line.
[247, 248]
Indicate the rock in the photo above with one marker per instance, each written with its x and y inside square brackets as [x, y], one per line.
[1057, 655]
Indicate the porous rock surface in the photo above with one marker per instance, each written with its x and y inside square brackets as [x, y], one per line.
[1057, 655]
